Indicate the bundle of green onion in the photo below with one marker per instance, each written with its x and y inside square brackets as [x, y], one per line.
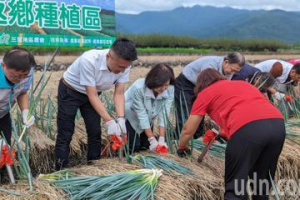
[158, 162]
[131, 185]
[59, 175]
[217, 149]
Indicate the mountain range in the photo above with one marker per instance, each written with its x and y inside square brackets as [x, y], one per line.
[212, 22]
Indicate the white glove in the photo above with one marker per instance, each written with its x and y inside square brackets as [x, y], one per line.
[279, 96]
[113, 128]
[28, 122]
[121, 122]
[161, 141]
[153, 144]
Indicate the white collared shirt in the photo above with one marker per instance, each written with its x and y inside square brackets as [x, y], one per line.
[267, 65]
[149, 93]
[90, 69]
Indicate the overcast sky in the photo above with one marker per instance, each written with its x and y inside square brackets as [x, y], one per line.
[137, 6]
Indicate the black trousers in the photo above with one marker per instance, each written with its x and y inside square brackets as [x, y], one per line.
[141, 141]
[69, 101]
[184, 99]
[253, 151]
[5, 127]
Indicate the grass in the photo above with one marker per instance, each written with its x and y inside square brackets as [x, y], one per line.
[66, 50]
[174, 50]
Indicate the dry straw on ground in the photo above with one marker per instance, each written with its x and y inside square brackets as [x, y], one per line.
[42, 148]
[203, 185]
[206, 184]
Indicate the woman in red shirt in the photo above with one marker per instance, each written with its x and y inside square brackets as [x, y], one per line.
[253, 126]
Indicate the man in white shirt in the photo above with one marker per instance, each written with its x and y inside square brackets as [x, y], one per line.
[284, 73]
[93, 72]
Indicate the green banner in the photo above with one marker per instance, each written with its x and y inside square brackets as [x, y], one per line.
[82, 23]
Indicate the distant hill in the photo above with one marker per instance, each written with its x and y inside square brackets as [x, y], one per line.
[212, 22]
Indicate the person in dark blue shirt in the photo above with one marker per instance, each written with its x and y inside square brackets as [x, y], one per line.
[261, 80]
[246, 73]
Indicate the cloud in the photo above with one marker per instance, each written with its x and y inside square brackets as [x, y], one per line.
[137, 6]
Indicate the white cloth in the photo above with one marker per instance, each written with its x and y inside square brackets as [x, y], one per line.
[90, 69]
[267, 65]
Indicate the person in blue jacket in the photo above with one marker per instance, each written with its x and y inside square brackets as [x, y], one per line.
[16, 75]
[145, 100]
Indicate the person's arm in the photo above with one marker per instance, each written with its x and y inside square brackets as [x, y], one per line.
[141, 112]
[278, 95]
[139, 108]
[149, 132]
[162, 131]
[189, 129]
[272, 90]
[165, 111]
[23, 101]
[97, 103]
[119, 99]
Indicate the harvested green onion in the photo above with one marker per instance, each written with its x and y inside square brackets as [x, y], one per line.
[137, 184]
[158, 162]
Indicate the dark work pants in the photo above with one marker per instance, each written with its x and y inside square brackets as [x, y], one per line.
[184, 99]
[69, 101]
[141, 141]
[253, 151]
[5, 127]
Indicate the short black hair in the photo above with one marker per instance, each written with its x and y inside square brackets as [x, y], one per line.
[265, 80]
[19, 58]
[124, 49]
[159, 75]
[235, 58]
[296, 67]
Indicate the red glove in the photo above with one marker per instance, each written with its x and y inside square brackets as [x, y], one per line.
[116, 143]
[288, 98]
[161, 149]
[208, 136]
[6, 158]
